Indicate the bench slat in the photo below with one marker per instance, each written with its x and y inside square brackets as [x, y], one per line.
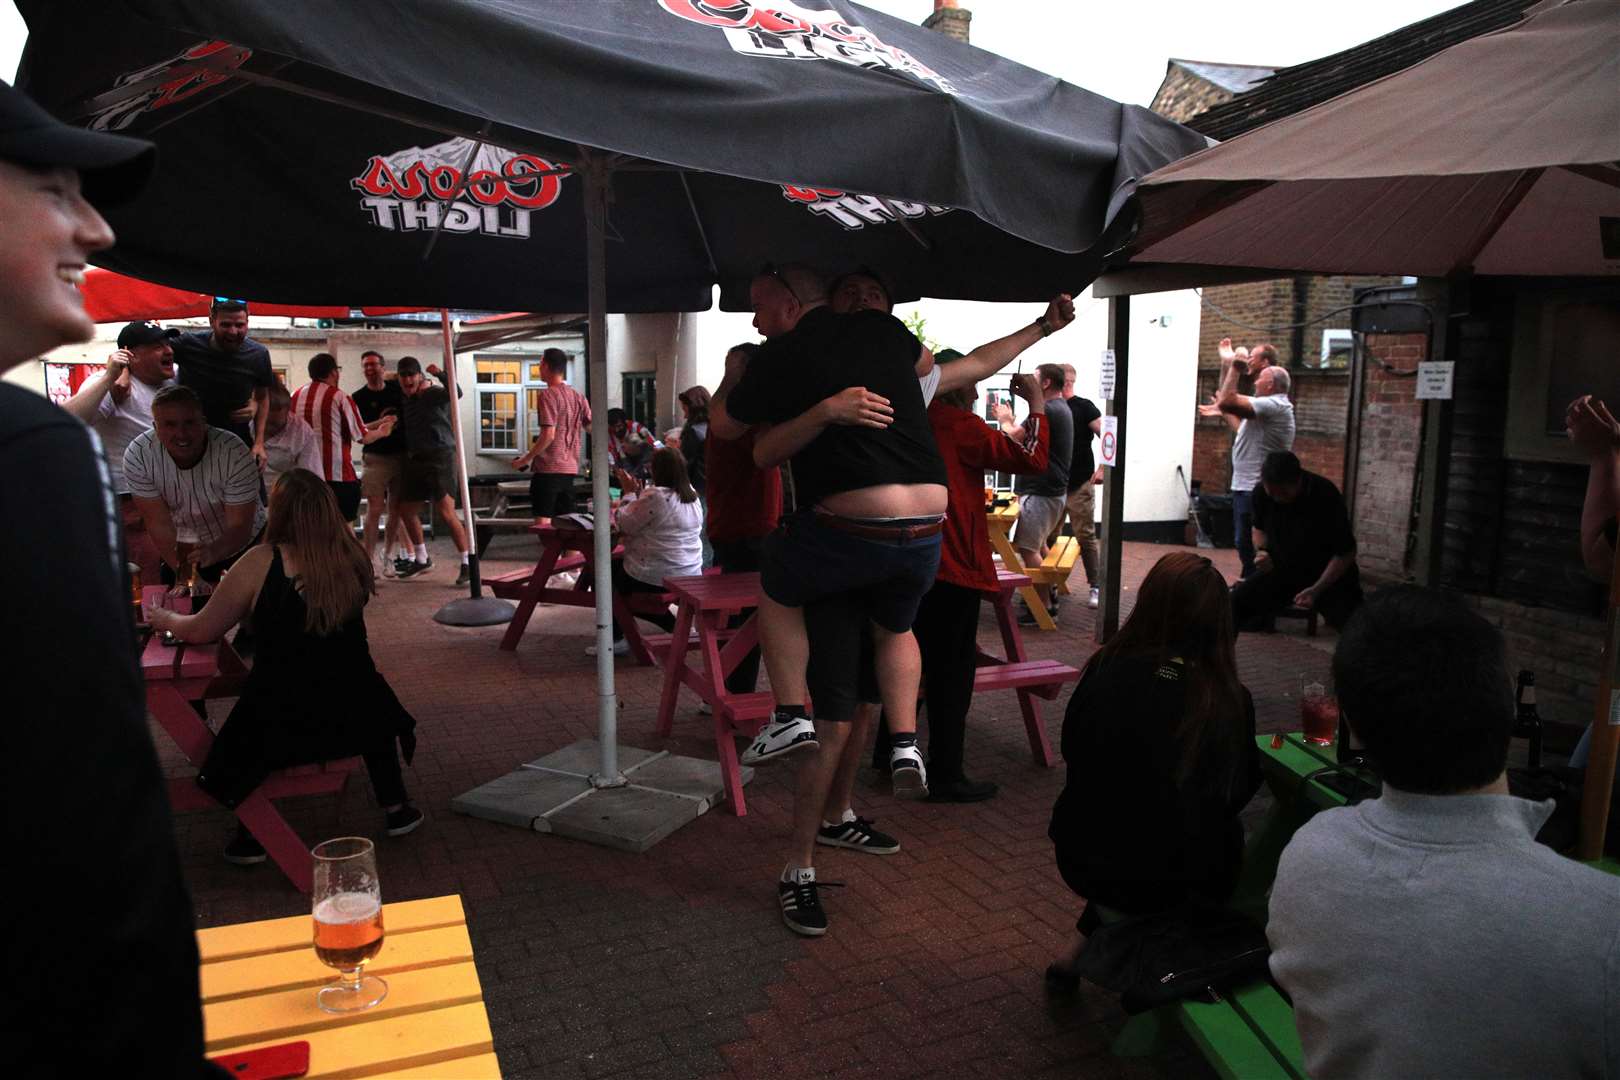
[389, 1043]
[1229, 1044]
[1272, 1019]
[288, 970]
[479, 1067]
[297, 931]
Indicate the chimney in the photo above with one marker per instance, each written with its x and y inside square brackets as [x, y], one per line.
[950, 20]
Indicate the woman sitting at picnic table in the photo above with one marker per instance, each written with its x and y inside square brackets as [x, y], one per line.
[662, 526]
[313, 694]
[1159, 741]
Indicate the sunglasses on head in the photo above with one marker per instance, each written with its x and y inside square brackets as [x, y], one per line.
[769, 270]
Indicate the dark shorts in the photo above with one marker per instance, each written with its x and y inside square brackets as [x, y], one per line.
[551, 494]
[841, 674]
[806, 561]
[348, 497]
[429, 477]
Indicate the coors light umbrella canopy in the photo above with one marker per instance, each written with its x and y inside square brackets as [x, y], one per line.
[312, 149]
[1499, 155]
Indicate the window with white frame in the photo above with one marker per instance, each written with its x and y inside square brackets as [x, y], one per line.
[509, 389]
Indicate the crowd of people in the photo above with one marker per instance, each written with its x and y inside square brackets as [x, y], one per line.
[1409, 931]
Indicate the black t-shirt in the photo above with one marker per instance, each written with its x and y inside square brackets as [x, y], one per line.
[827, 353]
[1304, 534]
[427, 423]
[376, 404]
[103, 969]
[1082, 464]
[224, 381]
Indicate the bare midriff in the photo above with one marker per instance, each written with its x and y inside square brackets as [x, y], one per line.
[888, 501]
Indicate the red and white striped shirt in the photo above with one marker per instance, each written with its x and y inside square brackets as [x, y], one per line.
[337, 424]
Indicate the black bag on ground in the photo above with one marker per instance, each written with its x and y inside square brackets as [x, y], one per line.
[1152, 960]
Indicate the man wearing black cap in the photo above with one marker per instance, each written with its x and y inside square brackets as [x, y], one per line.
[85, 818]
[117, 403]
[230, 372]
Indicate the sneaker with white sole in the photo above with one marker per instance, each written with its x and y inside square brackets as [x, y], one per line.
[801, 904]
[1094, 597]
[620, 648]
[857, 835]
[390, 568]
[781, 735]
[907, 772]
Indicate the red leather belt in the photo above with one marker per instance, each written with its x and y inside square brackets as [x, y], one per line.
[899, 533]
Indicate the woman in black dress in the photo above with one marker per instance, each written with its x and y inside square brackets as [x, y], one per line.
[1159, 742]
[314, 693]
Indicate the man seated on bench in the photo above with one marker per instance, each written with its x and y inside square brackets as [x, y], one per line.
[1426, 933]
[1305, 551]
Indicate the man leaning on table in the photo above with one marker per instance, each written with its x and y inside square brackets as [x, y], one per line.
[1426, 932]
[102, 967]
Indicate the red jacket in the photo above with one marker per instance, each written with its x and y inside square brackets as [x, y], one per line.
[970, 448]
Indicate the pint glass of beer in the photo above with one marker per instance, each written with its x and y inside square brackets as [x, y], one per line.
[185, 544]
[348, 922]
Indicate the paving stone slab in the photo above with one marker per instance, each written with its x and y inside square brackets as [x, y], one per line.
[692, 777]
[520, 798]
[581, 758]
[627, 818]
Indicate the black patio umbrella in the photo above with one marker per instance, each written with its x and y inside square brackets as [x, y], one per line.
[446, 152]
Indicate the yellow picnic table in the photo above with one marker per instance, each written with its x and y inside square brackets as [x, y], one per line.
[1000, 520]
[259, 982]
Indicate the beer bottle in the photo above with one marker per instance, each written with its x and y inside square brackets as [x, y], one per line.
[1527, 721]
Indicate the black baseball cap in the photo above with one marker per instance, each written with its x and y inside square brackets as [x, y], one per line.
[112, 168]
[143, 333]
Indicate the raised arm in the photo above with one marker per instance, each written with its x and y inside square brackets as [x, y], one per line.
[1594, 430]
[992, 356]
[855, 406]
[87, 402]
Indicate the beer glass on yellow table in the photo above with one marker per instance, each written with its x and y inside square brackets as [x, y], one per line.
[348, 922]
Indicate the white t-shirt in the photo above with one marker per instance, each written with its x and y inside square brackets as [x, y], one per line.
[662, 536]
[296, 447]
[226, 475]
[117, 422]
[1270, 428]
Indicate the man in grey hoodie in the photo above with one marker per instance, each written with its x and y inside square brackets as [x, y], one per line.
[1426, 932]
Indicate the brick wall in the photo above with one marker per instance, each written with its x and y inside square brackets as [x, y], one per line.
[1184, 95]
[1391, 426]
[1231, 311]
[1564, 649]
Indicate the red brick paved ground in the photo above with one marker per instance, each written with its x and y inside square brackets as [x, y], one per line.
[675, 962]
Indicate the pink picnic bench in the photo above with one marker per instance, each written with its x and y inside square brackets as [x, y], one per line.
[177, 676]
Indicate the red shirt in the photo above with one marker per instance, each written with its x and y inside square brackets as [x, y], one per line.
[337, 424]
[745, 501]
[971, 447]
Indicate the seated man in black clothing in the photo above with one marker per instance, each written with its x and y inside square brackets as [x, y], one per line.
[1307, 553]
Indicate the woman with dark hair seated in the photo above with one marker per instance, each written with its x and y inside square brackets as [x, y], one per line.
[314, 693]
[1159, 741]
[661, 525]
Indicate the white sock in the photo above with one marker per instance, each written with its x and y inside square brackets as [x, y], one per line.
[844, 819]
[463, 558]
[798, 875]
[421, 553]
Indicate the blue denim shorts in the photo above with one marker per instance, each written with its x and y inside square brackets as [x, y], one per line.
[806, 560]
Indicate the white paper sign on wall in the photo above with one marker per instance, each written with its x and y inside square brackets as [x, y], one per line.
[1434, 379]
[1110, 440]
[1108, 374]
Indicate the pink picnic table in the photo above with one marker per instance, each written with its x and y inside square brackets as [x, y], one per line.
[706, 604]
[568, 549]
[179, 675]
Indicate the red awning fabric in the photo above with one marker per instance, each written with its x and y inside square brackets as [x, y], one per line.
[114, 298]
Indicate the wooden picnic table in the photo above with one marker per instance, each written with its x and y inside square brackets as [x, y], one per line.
[706, 604]
[179, 678]
[1000, 521]
[568, 549]
[259, 981]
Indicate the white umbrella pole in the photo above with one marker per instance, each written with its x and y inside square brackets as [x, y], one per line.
[594, 172]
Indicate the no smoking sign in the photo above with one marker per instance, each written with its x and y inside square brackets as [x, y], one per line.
[1110, 440]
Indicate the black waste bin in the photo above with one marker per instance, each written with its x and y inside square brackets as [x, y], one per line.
[1215, 516]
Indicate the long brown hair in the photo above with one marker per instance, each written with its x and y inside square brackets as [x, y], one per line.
[1184, 610]
[696, 400]
[334, 575]
[669, 471]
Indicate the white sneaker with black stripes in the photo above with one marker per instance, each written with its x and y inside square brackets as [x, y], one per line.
[782, 735]
[907, 772]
